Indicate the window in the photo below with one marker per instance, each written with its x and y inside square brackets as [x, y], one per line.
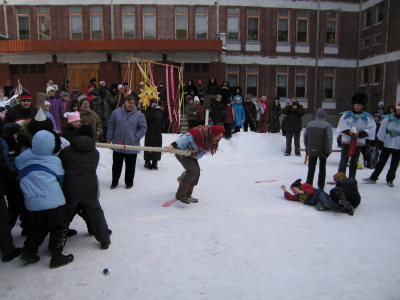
[233, 24]
[329, 83]
[23, 23]
[181, 22]
[201, 23]
[283, 25]
[365, 43]
[44, 22]
[301, 79]
[377, 74]
[251, 80]
[96, 14]
[367, 18]
[232, 74]
[364, 75]
[76, 22]
[149, 20]
[380, 10]
[281, 82]
[377, 39]
[252, 24]
[331, 21]
[128, 15]
[302, 20]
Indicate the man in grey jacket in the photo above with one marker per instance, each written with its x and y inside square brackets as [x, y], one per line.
[127, 126]
[318, 139]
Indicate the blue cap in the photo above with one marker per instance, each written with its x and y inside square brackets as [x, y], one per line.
[381, 103]
[288, 101]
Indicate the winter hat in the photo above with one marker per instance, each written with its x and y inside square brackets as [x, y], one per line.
[359, 98]
[95, 92]
[377, 115]
[50, 89]
[75, 87]
[248, 97]
[47, 103]
[11, 128]
[218, 96]
[153, 100]
[1, 89]
[93, 80]
[258, 100]
[288, 101]
[101, 82]
[199, 80]
[190, 99]
[50, 81]
[120, 86]
[161, 82]
[381, 103]
[398, 106]
[196, 99]
[321, 113]
[40, 122]
[228, 101]
[63, 93]
[277, 98]
[72, 116]
[81, 98]
[25, 96]
[85, 129]
[141, 83]
[297, 183]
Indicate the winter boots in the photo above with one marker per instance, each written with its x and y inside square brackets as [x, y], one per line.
[29, 259]
[154, 165]
[181, 193]
[342, 201]
[61, 260]
[189, 195]
[147, 165]
[9, 257]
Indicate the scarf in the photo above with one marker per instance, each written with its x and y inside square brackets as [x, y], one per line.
[204, 137]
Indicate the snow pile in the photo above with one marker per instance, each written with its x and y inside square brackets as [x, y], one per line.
[241, 241]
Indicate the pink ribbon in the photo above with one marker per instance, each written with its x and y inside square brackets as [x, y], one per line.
[151, 73]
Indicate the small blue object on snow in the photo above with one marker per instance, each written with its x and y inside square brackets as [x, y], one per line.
[106, 272]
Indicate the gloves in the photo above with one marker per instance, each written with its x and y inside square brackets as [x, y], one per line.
[394, 133]
[193, 154]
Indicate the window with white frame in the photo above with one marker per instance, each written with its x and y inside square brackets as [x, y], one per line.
[301, 82]
[44, 22]
[181, 22]
[149, 22]
[23, 22]
[283, 25]
[302, 22]
[201, 23]
[96, 18]
[331, 22]
[380, 13]
[233, 24]
[76, 22]
[252, 24]
[329, 83]
[281, 81]
[128, 16]
[232, 75]
[251, 80]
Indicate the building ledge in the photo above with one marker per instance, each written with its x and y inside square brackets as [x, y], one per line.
[76, 46]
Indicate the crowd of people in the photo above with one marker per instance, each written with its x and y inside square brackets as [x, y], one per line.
[48, 158]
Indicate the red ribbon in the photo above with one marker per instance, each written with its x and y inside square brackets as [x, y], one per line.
[119, 142]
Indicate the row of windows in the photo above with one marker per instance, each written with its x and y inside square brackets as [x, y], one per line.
[181, 23]
[376, 75]
[376, 40]
[282, 89]
[379, 15]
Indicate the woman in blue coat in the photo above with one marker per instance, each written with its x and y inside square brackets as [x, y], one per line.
[240, 114]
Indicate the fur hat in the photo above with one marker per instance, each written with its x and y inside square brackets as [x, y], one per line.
[47, 103]
[321, 113]
[359, 98]
[40, 122]
[50, 89]
[85, 129]
[72, 116]
[297, 183]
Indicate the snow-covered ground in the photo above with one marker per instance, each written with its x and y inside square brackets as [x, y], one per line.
[243, 240]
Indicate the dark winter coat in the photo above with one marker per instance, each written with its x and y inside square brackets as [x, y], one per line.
[19, 113]
[80, 160]
[191, 87]
[162, 94]
[212, 88]
[75, 94]
[217, 112]
[111, 99]
[100, 107]
[191, 108]
[7, 90]
[90, 117]
[250, 111]
[103, 91]
[318, 138]
[234, 93]
[293, 118]
[153, 137]
[68, 132]
[274, 124]
[350, 190]
[230, 115]
[225, 92]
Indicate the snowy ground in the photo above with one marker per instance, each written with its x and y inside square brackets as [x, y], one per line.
[243, 240]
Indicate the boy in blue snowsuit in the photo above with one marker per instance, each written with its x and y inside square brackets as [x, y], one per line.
[41, 176]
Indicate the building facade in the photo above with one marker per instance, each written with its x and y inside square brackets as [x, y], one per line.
[320, 52]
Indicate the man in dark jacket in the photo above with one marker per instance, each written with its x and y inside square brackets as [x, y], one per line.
[153, 138]
[80, 161]
[103, 89]
[23, 111]
[294, 112]
[217, 111]
[162, 92]
[212, 87]
[251, 114]
[318, 139]
[100, 107]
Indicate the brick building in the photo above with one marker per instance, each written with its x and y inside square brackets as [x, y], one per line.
[320, 51]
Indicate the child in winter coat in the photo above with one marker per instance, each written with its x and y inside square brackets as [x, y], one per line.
[260, 112]
[240, 114]
[41, 177]
[380, 110]
[48, 114]
[302, 192]
[201, 114]
[230, 118]
[74, 122]
[191, 111]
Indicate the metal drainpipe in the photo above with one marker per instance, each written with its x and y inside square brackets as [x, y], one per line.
[5, 22]
[358, 47]
[386, 48]
[316, 62]
[112, 20]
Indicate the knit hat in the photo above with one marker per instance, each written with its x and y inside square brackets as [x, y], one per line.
[47, 103]
[89, 85]
[50, 81]
[199, 80]
[72, 116]
[196, 99]
[120, 86]
[25, 96]
[141, 83]
[218, 96]
[101, 82]
[321, 113]
[359, 98]
[288, 101]
[377, 115]
[40, 122]
[228, 102]
[297, 183]
[381, 103]
[63, 93]
[277, 98]
[398, 106]
[11, 128]
[248, 97]
[153, 100]
[161, 82]
[50, 89]
[81, 98]
[1, 89]
[95, 92]
[85, 129]
[258, 100]
[75, 87]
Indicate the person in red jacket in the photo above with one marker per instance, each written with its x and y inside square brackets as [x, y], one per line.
[301, 191]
